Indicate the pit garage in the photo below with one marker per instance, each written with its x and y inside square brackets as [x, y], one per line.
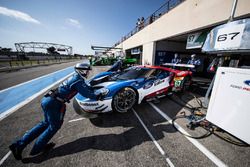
[135, 53]
[191, 43]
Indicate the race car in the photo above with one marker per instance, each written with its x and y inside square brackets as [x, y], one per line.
[122, 90]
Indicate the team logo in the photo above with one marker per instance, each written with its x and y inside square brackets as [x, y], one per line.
[247, 82]
[88, 104]
[148, 85]
[158, 82]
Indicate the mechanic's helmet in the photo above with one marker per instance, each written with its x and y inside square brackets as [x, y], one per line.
[83, 69]
[176, 55]
[193, 56]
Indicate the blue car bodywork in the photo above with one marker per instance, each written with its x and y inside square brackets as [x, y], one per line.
[137, 82]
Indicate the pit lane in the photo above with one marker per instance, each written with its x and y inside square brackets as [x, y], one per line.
[116, 139]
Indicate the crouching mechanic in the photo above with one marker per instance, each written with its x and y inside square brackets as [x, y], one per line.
[53, 106]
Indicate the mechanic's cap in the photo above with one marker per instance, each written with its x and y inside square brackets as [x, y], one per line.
[83, 66]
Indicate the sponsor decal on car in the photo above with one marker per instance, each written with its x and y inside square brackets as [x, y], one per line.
[247, 82]
[178, 81]
[88, 104]
[148, 85]
[158, 82]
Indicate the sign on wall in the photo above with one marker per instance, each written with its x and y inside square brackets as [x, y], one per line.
[135, 51]
[231, 37]
[196, 40]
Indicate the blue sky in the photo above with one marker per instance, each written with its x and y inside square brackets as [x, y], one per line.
[78, 23]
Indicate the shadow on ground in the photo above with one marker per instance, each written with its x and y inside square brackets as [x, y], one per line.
[133, 135]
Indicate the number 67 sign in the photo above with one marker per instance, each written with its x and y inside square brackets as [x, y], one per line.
[229, 37]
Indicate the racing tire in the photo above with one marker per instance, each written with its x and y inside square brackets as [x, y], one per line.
[186, 84]
[124, 100]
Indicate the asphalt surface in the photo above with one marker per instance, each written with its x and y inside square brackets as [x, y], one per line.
[116, 139]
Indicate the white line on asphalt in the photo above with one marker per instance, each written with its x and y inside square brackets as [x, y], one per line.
[153, 139]
[202, 148]
[32, 80]
[16, 107]
[74, 120]
[5, 157]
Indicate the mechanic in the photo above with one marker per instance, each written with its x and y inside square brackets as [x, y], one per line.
[195, 62]
[53, 106]
[176, 59]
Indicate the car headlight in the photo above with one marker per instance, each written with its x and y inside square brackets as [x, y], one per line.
[102, 91]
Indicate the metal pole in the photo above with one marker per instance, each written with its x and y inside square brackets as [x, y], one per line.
[231, 18]
[206, 100]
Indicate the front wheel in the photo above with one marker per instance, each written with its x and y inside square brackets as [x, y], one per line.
[124, 100]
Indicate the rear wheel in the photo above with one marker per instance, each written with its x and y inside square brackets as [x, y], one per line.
[186, 83]
[124, 100]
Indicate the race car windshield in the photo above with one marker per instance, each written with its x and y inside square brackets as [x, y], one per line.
[134, 73]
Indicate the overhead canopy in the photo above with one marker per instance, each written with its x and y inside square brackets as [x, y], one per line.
[233, 37]
[103, 48]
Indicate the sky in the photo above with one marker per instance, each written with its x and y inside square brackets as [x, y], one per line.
[78, 23]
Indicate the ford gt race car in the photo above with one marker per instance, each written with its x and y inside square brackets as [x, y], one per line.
[122, 90]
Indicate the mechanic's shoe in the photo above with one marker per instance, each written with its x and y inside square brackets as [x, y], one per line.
[46, 149]
[16, 151]
[49, 147]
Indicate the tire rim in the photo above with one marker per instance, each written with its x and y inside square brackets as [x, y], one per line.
[125, 99]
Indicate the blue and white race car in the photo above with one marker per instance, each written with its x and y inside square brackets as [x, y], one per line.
[125, 89]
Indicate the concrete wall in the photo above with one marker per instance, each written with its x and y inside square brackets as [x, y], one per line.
[188, 16]
[147, 51]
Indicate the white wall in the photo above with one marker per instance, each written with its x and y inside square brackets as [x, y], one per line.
[186, 17]
[148, 51]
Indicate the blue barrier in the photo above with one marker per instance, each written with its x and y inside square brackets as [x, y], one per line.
[13, 96]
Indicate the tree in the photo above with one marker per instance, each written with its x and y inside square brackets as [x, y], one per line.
[5, 49]
[51, 50]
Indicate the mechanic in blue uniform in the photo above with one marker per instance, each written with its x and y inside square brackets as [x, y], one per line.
[176, 59]
[194, 61]
[53, 106]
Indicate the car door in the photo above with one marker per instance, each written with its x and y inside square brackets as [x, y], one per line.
[156, 83]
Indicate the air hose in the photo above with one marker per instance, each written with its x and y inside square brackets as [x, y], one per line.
[197, 119]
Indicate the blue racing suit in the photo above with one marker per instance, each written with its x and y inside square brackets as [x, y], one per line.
[195, 62]
[176, 60]
[54, 110]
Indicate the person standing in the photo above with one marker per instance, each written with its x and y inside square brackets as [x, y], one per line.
[195, 62]
[142, 23]
[176, 59]
[138, 24]
[54, 107]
